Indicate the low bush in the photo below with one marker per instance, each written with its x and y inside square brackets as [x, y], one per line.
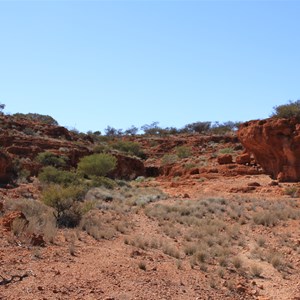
[39, 216]
[52, 175]
[131, 148]
[265, 218]
[50, 159]
[291, 191]
[101, 148]
[98, 181]
[104, 224]
[97, 165]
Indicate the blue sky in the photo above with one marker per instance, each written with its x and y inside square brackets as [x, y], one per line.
[90, 64]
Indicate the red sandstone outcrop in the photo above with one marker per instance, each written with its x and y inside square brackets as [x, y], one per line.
[23, 139]
[275, 144]
[127, 167]
[8, 219]
[5, 167]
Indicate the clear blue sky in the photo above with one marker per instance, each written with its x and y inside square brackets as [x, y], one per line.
[90, 64]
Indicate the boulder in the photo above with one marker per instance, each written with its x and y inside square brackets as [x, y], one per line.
[243, 159]
[275, 145]
[225, 159]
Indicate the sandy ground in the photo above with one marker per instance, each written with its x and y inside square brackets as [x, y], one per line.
[111, 269]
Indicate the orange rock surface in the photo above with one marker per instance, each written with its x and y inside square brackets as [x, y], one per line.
[275, 144]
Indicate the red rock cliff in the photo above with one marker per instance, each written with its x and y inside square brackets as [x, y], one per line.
[275, 144]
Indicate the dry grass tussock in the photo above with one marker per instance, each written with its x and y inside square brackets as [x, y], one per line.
[111, 210]
[40, 219]
[210, 233]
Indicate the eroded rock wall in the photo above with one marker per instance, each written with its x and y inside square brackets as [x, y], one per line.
[275, 144]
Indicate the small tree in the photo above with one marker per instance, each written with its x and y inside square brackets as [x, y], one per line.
[111, 131]
[97, 165]
[66, 203]
[131, 131]
[2, 106]
[289, 110]
[151, 129]
[222, 128]
[50, 174]
[197, 127]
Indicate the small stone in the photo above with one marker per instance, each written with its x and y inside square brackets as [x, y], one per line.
[241, 289]
[253, 183]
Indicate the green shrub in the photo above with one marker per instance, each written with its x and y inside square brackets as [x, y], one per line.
[66, 203]
[50, 159]
[131, 148]
[52, 175]
[183, 151]
[101, 148]
[97, 165]
[292, 109]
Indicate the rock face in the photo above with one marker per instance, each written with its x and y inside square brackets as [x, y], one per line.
[7, 221]
[22, 140]
[275, 144]
[5, 167]
[127, 167]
